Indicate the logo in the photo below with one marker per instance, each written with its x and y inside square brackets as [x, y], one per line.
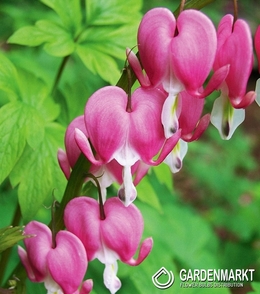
[157, 275]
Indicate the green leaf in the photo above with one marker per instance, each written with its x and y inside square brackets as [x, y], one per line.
[38, 173]
[256, 287]
[117, 12]
[8, 77]
[147, 194]
[99, 63]
[111, 40]
[29, 36]
[33, 90]
[18, 122]
[60, 41]
[69, 12]
[50, 110]
[164, 176]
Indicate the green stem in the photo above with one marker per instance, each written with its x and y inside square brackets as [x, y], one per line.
[60, 71]
[193, 4]
[73, 189]
[101, 204]
[6, 254]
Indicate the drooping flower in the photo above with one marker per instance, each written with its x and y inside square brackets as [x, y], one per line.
[178, 54]
[61, 266]
[123, 135]
[236, 50]
[116, 237]
[106, 174]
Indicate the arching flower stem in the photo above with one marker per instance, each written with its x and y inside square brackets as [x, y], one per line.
[235, 12]
[101, 204]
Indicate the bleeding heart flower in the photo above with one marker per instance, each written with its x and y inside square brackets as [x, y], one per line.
[106, 174]
[236, 50]
[116, 237]
[178, 54]
[61, 266]
[128, 136]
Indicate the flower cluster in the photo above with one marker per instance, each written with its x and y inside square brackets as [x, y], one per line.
[181, 62]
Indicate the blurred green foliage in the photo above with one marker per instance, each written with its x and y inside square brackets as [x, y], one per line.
[206, 216]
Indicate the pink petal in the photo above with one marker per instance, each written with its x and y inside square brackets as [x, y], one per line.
[192, 108]
[155, 33]
[244, 101]
[64, 163]
[122, 229]
[193, 49]
[191, 124]
[116, 170]
[136, 67]
[87, 287]
[72, 148]
[198, 130]
[25, 261]
[140, 171]
[38, 248]
[84, 146]
[67, 262]
[146, 131]
[107, 121]
[145, 249]
[166, 149]
[82, 218]
[235, 48]
[214, 83]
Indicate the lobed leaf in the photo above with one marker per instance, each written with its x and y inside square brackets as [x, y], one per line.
[38, 173]
[8, 77]
[69, 12]
[111, 40]
[17, 123]
[115, 12]
[99, 63]
[58, 41]
[29, 36]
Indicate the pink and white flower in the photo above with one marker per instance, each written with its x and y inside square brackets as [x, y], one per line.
[178, 54]
[125, 136]
[236, 50]
[116, 237]
[61, 266]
